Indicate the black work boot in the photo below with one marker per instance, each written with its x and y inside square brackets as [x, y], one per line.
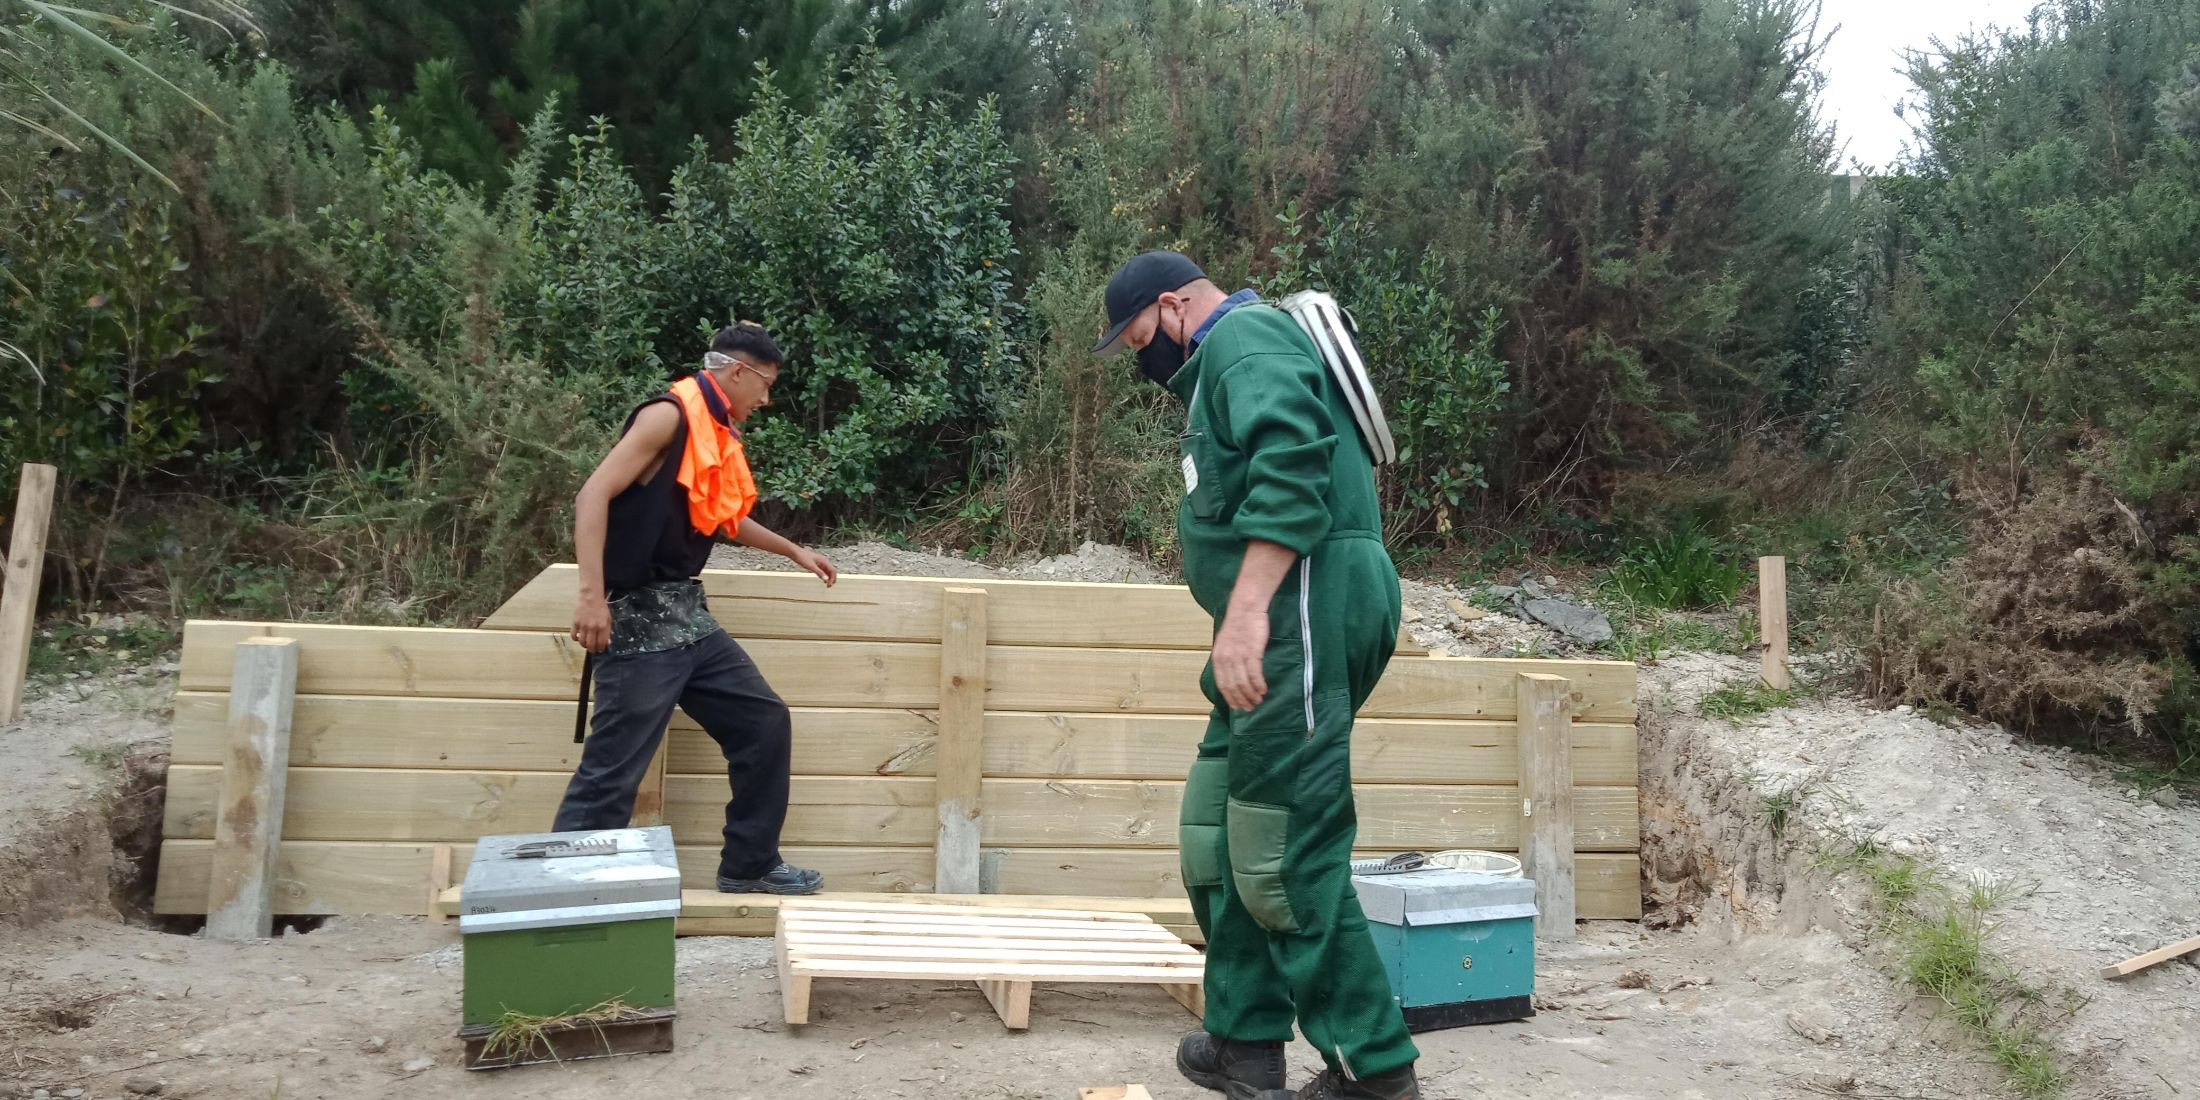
[1398, 1084]
[779, 880]
[1242, 1071]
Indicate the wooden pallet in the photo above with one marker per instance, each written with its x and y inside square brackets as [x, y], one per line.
[1003, 950]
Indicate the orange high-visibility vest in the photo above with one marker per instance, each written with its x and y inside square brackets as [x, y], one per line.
[714, 466]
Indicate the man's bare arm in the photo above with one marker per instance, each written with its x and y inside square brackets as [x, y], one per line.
[646, 441]
[764, 538]
[1243, 640]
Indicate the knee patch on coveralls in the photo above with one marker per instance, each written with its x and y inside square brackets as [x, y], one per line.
[1257, 837]
[1199, 822]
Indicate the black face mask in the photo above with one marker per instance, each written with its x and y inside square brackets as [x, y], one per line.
[1162, 357]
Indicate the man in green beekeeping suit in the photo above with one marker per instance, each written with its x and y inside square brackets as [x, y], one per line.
[1282, 545]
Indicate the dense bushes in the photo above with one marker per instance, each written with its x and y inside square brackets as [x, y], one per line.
[423, 370]
[1609, 287]
[2046, 298]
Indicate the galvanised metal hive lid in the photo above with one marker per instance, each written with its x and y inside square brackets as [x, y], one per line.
[547, 880]
[1441, 895]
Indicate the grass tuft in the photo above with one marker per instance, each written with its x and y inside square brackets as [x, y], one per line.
[1939, 936]
[1746, 698]
[517, 1035]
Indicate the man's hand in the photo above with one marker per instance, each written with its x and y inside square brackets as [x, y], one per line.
[815, 562]
[592, 623]
[1239, 647]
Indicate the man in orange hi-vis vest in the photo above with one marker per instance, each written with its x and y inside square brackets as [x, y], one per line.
[643, 527]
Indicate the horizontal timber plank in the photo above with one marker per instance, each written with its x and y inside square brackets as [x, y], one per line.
[984, 971]
[1142, 813]
[373, 731]
[417, 661]
[430, 805]
[449, 806]
[952, 923]
[502, 664]
[1061, 953]
[1022, 745]
[332, 877]
[1154, 681]
[1607, 885]
[984, 938]
[365, 731]
[770, 604]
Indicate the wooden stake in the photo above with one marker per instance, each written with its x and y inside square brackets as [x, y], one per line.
[1772, 620]
[19, 591]
[1011, 1000]
[649, 802]
[1547, 801]
[2137, 963]
[439, 880]
[248, 826]
[961, 756]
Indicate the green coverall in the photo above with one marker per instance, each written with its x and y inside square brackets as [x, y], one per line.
[1271, 452]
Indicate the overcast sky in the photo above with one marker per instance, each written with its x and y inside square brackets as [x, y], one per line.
[1863, 65]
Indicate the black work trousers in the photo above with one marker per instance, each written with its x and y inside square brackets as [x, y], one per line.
[719, 687]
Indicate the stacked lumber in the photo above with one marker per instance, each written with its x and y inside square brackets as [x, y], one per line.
[1065, 715]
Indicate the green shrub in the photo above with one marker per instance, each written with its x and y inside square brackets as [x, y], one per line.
[1442, 383]
[100, 352]
[871, 237]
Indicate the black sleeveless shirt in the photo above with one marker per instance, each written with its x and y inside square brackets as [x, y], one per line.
[649, 537]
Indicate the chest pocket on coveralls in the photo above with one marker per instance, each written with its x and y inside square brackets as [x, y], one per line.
[1200, 487]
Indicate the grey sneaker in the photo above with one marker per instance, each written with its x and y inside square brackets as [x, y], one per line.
[779, 880]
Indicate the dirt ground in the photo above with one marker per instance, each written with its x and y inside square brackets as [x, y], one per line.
[363, 1007]
[1758, 976]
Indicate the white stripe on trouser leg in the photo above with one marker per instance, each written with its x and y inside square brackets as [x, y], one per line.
[1306, 636]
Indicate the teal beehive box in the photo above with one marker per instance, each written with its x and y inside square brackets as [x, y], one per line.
[1459, 947]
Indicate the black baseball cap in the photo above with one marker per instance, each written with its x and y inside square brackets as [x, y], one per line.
[1137, 284]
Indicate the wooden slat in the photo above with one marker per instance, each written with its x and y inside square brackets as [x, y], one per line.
[706, 913]
[1384, 750]
[1607, 885]
[501, 664]
[984, 940]
[336, 877]
[369, 731]
[952, 923]
[2157, 956]
[1547, 838]
[960, 766]
[1010, 1000]
[758, 604]
[1142, 813]
[846, 904]
[1151, 681]
[363, 731]
[19, 580]
[1772, 621]
[979, 971]
[251, 792]
[1061, 954]
[421, 805]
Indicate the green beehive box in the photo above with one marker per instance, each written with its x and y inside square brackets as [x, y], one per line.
[1459, 947]
[558, 924]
